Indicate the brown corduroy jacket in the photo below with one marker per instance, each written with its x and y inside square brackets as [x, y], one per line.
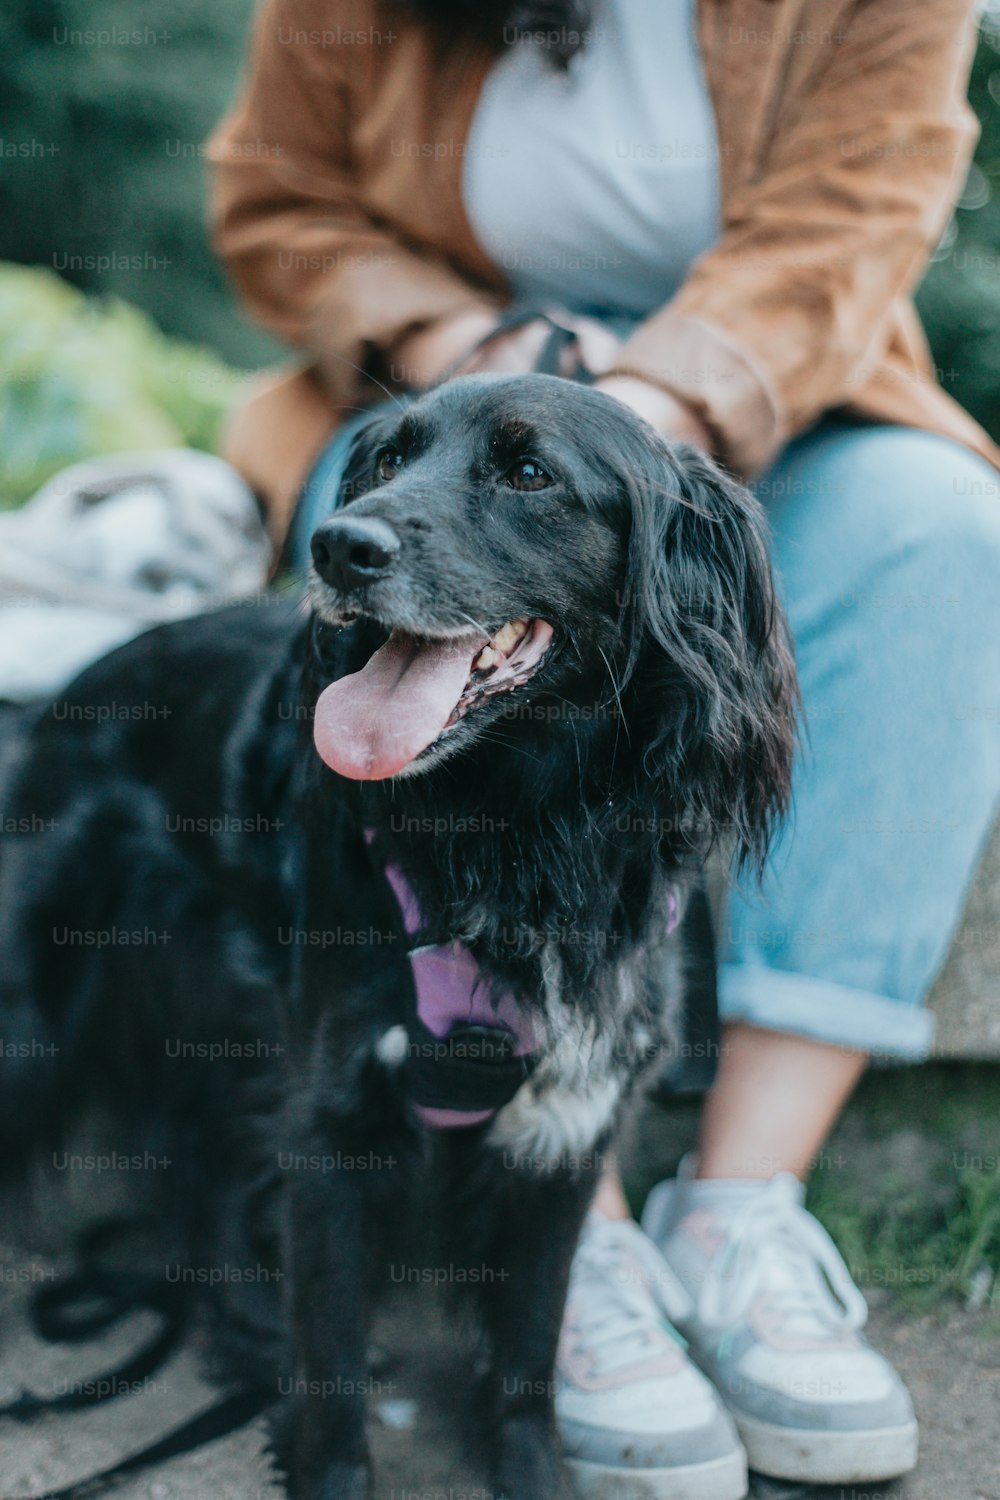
[844, 138]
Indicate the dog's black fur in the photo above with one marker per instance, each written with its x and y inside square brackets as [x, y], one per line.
[174, 791]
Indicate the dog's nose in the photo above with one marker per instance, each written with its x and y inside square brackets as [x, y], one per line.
[349, 551]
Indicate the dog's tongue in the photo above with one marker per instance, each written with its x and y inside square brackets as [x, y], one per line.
[370, 725]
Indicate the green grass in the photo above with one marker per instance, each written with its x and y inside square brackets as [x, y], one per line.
[85, 376]
[908, 1184]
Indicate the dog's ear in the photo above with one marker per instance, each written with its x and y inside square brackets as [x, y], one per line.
[710, 659]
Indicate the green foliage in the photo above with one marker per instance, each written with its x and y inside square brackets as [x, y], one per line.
[909, 1185]
[80, 377]
[102, 175]
[960, 297]
[103, 178]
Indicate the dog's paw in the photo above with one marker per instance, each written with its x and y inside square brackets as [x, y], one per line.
[529, 1465]
[521, 1486]
[338, 1481]
[302, 1451]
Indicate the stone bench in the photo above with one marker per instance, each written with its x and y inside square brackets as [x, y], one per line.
[966, 996]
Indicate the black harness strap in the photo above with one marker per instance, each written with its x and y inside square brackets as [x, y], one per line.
[472, 1068]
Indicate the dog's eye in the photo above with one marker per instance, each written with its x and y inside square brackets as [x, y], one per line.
[388, 463]
[528, 474]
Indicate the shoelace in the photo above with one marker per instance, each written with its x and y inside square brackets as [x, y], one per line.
[631, 1274]
[773, 1227]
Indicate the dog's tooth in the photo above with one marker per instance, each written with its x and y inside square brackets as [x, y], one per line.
[486, 658]
[505, 638]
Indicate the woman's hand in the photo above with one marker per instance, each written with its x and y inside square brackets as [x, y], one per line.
[422, 358]
[514, 353]
[596, 346]
[450, 346]
[661, 410]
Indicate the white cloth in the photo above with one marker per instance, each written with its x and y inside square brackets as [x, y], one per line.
[112, 546]
[596, 189]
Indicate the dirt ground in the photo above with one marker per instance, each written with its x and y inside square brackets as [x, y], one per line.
[898, 1137]
[419, 1398]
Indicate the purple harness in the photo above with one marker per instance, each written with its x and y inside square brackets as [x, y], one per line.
[468, 1053]
[451, 997]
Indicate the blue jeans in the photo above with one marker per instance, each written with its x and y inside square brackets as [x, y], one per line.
[886, 543]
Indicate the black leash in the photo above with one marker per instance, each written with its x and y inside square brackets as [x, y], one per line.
[94, 1299]
[227, 1415]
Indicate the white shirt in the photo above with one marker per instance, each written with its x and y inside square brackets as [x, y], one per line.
[595, 189]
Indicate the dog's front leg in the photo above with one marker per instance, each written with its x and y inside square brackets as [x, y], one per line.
[326, 1454]
[525, 1277]
[345, 1130]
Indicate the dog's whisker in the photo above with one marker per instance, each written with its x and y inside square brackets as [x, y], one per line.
[476, 623]
[499, 739]
[367, 375]
[618, 697]
[622, 722]
[284, 585]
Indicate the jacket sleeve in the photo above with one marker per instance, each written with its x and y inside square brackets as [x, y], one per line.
[309, 262]
[778, 319]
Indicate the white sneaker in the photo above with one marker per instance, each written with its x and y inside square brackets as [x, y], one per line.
[775, 1324]
[637, 1420]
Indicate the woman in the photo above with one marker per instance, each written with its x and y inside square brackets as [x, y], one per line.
[730, 211]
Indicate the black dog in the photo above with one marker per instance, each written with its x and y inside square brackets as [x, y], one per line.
[544, 671]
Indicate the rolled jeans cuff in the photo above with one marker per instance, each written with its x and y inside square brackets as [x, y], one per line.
[825, 1011]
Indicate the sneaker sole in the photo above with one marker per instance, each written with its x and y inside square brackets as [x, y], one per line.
[720, 1479]
[826, 1457]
